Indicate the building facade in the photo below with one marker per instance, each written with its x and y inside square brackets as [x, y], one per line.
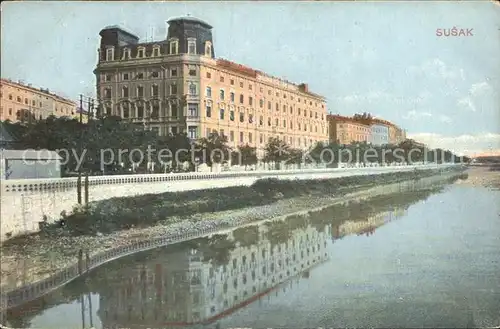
[379, 134]
[178, 85]
[20, 102]
[345, 130]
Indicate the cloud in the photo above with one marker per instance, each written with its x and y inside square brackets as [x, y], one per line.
[386, 98]
[412, 115]
[436, 68]
[463, 144]
[477, 92]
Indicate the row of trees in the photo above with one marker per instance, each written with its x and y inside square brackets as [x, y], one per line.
[111, 145]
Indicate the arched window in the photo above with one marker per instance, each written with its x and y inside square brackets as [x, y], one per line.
[174, 46]
[126, 53]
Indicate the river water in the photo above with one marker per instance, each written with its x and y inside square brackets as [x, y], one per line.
[427, 255]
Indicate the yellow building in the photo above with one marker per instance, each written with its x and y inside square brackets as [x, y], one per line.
[20, 102]
[345, 130]
[177, 85]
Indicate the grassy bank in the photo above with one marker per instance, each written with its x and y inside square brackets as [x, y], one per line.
[147, 210]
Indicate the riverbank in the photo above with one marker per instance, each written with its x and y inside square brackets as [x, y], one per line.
[32, 258]
[482, 177]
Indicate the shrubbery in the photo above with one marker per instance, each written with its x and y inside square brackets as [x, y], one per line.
[146, 210]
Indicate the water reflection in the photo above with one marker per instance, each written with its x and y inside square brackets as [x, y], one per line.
[206, 279]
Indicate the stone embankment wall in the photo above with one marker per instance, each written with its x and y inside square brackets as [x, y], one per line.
[24, 203]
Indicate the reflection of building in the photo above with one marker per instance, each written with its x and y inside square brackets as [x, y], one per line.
[20, 102]
[366, 226]
[179, 288]
[176, 84]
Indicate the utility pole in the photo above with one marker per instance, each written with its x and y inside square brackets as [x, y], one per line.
[79, 181]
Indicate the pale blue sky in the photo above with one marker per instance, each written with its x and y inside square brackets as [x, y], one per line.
[383, 58]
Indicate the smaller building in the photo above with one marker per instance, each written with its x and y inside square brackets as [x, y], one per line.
[345, 130]
[29, 164]
[379, 133]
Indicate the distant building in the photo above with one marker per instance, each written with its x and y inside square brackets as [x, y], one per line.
[29, 164]
[177, 85]
[363, 128]
[20, 102]
[345, 130]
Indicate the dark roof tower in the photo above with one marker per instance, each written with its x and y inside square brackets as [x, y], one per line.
[191, 28]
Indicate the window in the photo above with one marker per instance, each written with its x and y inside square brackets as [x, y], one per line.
[277, 107]
[126, 53]
[241, 84]
[25, 101]
[192, 72]
[284, 108]
[33, 102]
[221, 94]
[276, 122]
[108, 110]
[250, 87]
[250, 101]
[231, 115]
[209, 75]
[250, 118]
[221, 79]
[140, 76]
[242, 116]
[156, 51]
[209, 110]
[10, 97]
[208, 49]
[140, 111]
[192, 132]
[173, 109]
[284, 123]
[209, 92]
[125, 92]
[231, 136]
[140, 52]
[261, 120]
[173, 72]
[173, 89]
[232, 82]
[269, 122]
[221, 114]
[107, 93]
[241, 136]
[191, 46]
[108, 77]
[155, 74]
[192, 89]
[268, 105]
[250, 141]
[261, 102]
[140, 91]
[125, 76]
[126, 112]
[110, 54]
[193, 110]
[174, 47]
[232, 97]
[154, 90]
[241, 99]
[155, 112]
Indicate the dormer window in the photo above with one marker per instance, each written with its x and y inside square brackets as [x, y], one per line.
[208, 49]
[174, 46]
[156, 51]
[110, 53]
[126, 53]
[191, 46]
[140, 52]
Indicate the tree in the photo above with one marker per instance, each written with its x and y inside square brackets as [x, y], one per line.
[213, 149]
[245, 155]
[276, 151]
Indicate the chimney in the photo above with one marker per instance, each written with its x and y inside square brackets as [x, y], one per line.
[304, 87]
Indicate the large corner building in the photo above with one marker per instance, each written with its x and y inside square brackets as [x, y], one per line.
[178, 85]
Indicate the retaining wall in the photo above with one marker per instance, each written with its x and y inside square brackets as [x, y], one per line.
[24, 203]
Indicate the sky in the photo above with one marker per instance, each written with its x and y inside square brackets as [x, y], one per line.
[378, 57]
